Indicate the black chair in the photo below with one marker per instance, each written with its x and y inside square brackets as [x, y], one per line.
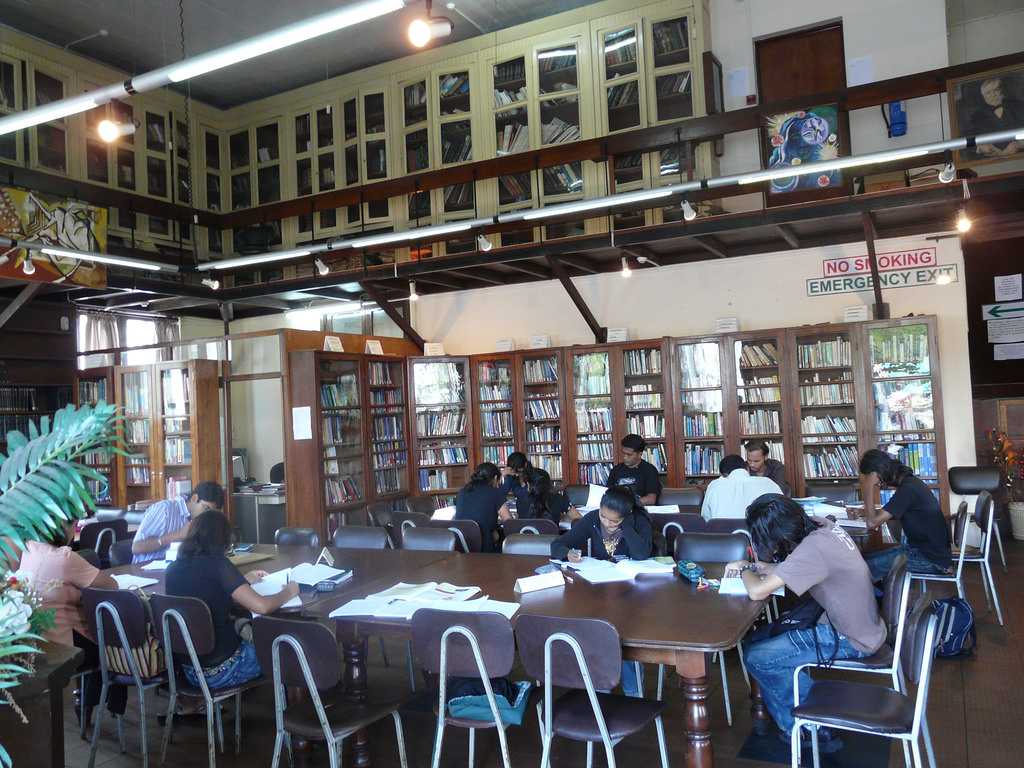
[477, 645]
[666, 527]
[360, 537]
[420, 505]
[121, 553]
[726, 524]
[584, 655]
[304, 654]
[297, 537]
[838, 492]
[528, 544]
[427, 539]
[577, 494]
[186, 631]
[90, 557]
[534, 525]
[468, 537]
[100, 536]
[690, 497]
[875, 709]
[400, 521]
[277, 473]
[973, 480]
[117, 619]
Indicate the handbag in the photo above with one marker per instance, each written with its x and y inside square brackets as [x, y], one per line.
[806, 614]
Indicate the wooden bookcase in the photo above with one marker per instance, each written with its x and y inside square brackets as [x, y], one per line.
[443, 424]
[171, 428]
[758, 365]
[541, 397]
[387, 398]
[646, 402]
[498, 424]
[93, 385]
[593, 373]
[699, 392]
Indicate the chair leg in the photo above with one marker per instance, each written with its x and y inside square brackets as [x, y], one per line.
[275, 761]
[984, 585]
[409, 666]
[98, 709]
[168, 726]
[238, 723]
[384, 653]
[916, 750]
[403, 760]
[959, 588]
[815, 753]
[211, 743]
[545, 756]
[662, 749]
[288, 748]
[503, 744]
[743, 665]
[927, 741]
[590, 754]
[472, 747]
[81, 704]
[334, 753]
[725, 688]
[906, 753]
[794, 745]
[143, 730]
[438, 739]
[987, 573]
[999, 543]
[639, 678]
[661, 681]
[609, 751]
[219, 720]
[122, 741]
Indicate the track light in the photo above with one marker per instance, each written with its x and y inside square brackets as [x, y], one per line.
[483, 243]
[963, 221]
[944, 279]
[422, 31]
[413, 296]
[321, 267]
[102, 258]
[647, 260]
[213, 285]
[110, 131]
[626, 271]
[27, 266]
[689, 213]
[948, 173]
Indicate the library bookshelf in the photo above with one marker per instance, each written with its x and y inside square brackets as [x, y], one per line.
[93, 385]
[541, 393]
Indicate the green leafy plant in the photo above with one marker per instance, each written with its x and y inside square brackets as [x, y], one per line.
[43, 485]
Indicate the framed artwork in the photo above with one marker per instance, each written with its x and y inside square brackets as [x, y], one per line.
[986, 103]
[804, 136]
[714, 93]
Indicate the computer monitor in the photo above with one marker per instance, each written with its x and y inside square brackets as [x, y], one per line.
[238, 467]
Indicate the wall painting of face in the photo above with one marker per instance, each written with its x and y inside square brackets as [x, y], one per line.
[801, 137]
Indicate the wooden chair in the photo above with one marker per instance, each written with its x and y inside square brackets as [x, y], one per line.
[467, 533]
[420, 505]
[100, 536]
[121, 553]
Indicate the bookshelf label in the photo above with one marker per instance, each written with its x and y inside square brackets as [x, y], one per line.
[727, 325]
[374, 347]
[618, 335]
[504, 345]
[433, 349]
[333, 344]
[540, 342]
[302, 423]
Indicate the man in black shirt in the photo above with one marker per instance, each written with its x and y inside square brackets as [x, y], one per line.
[759, 464]
[635, 473]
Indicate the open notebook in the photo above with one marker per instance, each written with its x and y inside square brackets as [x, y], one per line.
[605, 571]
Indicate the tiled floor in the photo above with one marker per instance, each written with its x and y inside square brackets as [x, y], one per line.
[976, 710]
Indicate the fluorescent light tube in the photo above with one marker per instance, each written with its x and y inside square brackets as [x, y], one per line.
[832, 165]
[620, 44]
[258, 258]
[102, 258]
[411, 234]
[291, 34]
[555, 53]
[44, 114]
[589, 205]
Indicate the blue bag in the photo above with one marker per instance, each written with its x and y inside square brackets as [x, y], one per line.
[475, 707]
[956, 635]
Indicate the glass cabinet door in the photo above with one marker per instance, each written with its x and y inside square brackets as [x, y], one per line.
[341, 433]
[759, 393]
[592, 403]
[828, 424]
[390, 454]
[176, 428]
[703, 423]
[672, 69]
[644, 402]
[268, 167]
[375, 125]
[136, 399]
[50, 138]
[497, 423]
[439, 388]
[542, 402]
[621, 78]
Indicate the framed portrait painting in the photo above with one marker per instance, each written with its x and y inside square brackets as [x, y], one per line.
[987, 103]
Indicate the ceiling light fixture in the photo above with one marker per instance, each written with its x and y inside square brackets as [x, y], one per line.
[262, 258]
[102, 258]
[321, 267]
[423, 30]
[27, 266]
[415, 234]
[213, 285]
[647, 260]
[944, 279]
[225, 56]
[963, 221]
[587, 205]
[689, 213]
[948, 173]
[626, 271]
[837, 164]
[413, 296]
[110, 131]
[483, 243]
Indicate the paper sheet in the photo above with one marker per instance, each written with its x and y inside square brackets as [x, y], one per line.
[594, 495]
[128, 581]
[306, 574]
[363, 607]
[1007, 287]
[302, 423]
[645, 567]
[444, 513]
[662, 509]
[156, 565]
[733, 585]
[431, 591]
[269, 589]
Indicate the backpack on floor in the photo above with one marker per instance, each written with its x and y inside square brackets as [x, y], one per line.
[956, 635]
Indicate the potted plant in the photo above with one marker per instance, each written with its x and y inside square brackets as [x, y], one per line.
[43, 484]
[1011, 464]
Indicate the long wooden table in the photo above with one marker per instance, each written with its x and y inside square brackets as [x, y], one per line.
[661, 619]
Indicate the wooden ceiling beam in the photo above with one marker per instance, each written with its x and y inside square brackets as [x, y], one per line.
[24, 297]
[599, 331]
[580, 263]
[533, 271]
[787, 234]
[375, 293]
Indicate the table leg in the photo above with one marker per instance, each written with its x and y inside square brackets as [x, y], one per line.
[760, 720]
[354, 650]
[57, 725]
[692, 668]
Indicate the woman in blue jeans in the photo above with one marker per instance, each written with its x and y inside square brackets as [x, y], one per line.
[807, 555]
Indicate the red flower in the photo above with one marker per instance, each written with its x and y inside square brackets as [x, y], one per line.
[776, 141]
[823, 180]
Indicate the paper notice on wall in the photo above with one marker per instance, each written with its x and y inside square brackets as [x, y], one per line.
[1006, 331]
[859, 71]
[1008, 287]
[302, 423]
[1008, 352]
[737, 85]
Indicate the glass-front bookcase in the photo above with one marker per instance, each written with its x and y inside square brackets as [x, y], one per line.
[644, 403]
[440, 402]
[496, 418]
[542, 384]
[385, 383]
[593, 420]
[702, 418]
[341, 427]
[759, 393]
[135, 397]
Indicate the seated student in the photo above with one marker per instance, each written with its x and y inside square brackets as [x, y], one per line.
[202, 570]
[806, 555]
[619, 528]
[537, 499]
[513, 474]
[168, 520]
[483, 501]
[925, 528]
[635, 473]
[60, 575]
[731, 494]
[759, 464]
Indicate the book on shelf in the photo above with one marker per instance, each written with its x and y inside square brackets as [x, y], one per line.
[136, 393]
[826, 394]
[642, 362]
[831, 462]
[596, 474]
[456, 84]
[458, 197]
[341, 490]
[623, 53]
[670, 85]
[825, 353]
[178, 450]
[342, 427]
[513, 137]
[17, 398]
[433, 479]
[541, 434]
[415, 96]
[390, 396]
[920, 457]
[562, 178]
[594, 451]
[642, 397]
[623, 94]
[513, 188]
[444, 455]
[178, 486]
[497, 454]
[549, 462]
[670, 37]
[89, 392]
[646, 425]
[10, 423]
[702, 424]
[457, 150]
[438, 423]
[379, 374]
[511, 71]
[542, 408]
[505, 96]
[387, 481]
[701, 459]
[540, 371]
[558, 131]
[389, 455]
[341, 394]
[655, 454]
[593, 419]
[97, 458]
[759, 355]
[775, 450]
[137, 431]
[388, 426]
[827, 424]
[496, 423]
[175, 392]
[761, 389]
[760, 422]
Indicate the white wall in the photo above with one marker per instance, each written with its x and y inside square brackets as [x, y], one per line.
[765, 291]
[980, 29]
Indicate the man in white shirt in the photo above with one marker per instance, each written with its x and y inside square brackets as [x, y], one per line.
[167, 521]
[731, 494]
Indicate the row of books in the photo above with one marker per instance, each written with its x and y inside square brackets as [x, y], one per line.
[458, 197]
[388, 426]
[828, 424]
[513, 137]
[670, 36]
[89, 392]
[497, 453]
[13, 424]
[386, 397]
[514, 188]
[701, 459]
[762, 421]
[593, 419]
[670, 85]
[505, 96]
[496, 423]
[178, 486]
[497, 392]
[341, 490]
[137, 470]
[594, 474]
[921, 458]
[895, 421]
[826, 394]
[758, 355]
[656, 455]
[379, 374]
[549, 462]
[392, 457]
[538, 434]
[642, 362]
[439, 423]
[16, 398]
[491, 372]
[702, 424]
[562, 179]
[509, 72]
[594, 451]
[541, 370]
[646, 425]
[642, 397]
[178, 450]
[759, 395]
[97, 458]
[824, 353]
[341, 394]
[899, 349]
[836, 461]
[456, 84]
[136, 431]
[388, 481]
[623, 94]
[99, 490]
[433, 479]
[458, 150]
[342, 427]
[444, 455]
[558, 131]
[542, 408]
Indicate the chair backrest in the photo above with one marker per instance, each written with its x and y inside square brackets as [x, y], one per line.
[711, 547]
[691, 496]
[602, 650]
[534, 525]
[493, 634]
[919, 641]
[967, 481]
[318, 643]
[120, 553]
[528, 544]
[94, 535]
[360, 537]
[130, 610]
[277, 473]
[834, 491]
[420, 505]
[425, 538]
[577, 494]
[984, 507]
[90, 556]
[197, 620]
[402, 520]
[468, 537]
[302, 537]
[961, 525]
[726, 524]
[379, 513]
[895, 589]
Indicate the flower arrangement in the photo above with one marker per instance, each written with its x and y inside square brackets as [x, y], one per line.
[1010, 461]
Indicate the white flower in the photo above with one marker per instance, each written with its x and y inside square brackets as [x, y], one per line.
[14, 613]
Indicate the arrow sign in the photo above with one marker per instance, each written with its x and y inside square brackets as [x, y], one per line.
[1001, 311]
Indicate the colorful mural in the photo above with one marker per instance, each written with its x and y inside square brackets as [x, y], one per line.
[805, 136]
